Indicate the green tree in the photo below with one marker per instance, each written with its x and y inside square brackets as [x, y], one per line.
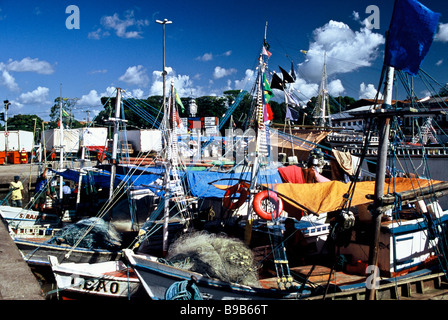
[26, 122]
[68, 118]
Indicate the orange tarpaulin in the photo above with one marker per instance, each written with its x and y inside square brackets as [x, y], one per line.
[329, 196]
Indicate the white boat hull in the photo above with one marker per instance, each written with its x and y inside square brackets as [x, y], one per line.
[18, 217]
[112, 279]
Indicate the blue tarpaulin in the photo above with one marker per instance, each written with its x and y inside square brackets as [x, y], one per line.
[411, 33]
[102, 179]
[199, 182]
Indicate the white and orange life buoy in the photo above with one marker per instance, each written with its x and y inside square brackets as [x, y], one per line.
[242, 189]
[271, 196]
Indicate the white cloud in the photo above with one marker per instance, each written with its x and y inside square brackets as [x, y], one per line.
[37, 96]
[248, 79]
[138, 93]
[205, 57]
[227, 53]
[222, 72]
[135, 75]
[25, 65]
[346, 50]
[368, 91]
[8, 80]
[121, 26]
[93, 99]
[30, 65]
[306, 90]
[183, 84]
[335, 88]
[442, 34]
[98, 71]
[438, 63]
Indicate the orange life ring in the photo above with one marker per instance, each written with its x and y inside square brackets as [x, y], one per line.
[242, 189]
[263, 195]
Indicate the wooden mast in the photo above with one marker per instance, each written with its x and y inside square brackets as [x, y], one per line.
[384, 127]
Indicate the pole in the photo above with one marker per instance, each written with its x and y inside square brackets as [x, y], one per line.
[384, 127]
[7, 103]
[163, 23]
[61, 146]
[115, 143]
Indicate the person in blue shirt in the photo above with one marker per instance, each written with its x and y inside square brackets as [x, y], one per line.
[41, 191]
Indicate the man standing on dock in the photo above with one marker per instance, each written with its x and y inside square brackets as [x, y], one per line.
[16, 189]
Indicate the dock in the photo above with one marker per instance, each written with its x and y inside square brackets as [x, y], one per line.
[17, 282]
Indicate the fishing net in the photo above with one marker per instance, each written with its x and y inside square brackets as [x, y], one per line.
[102, 235]
[216, 256]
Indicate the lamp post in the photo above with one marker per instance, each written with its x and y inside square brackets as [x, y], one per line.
[163, 23]
[166, 125]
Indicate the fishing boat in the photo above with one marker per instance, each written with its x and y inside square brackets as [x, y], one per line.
[109, 279]
[385, 235]
[19, 217]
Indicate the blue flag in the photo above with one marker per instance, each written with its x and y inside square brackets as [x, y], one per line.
[411, 32]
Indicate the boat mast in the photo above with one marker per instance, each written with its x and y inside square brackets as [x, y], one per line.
[384, 128]
[116, 120]
[259, 129]
[61, 144]
[323, 103]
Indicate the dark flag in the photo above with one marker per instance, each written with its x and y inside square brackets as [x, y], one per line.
[292, 114]
[293, 75]
[276, 82]
[411, 33]
[286, 76]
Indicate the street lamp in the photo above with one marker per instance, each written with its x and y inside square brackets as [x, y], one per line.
[166, 216]
[163, 23]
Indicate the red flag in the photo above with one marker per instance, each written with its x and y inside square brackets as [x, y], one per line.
[266, 52]
[268, 114]
[178, 121]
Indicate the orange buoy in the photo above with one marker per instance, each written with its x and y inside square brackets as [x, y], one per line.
[271, 196]
[242, 189]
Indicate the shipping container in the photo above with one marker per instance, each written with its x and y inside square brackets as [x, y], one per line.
[144, 140]
[17, 140]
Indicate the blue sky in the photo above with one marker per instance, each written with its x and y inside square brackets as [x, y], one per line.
[211, 46]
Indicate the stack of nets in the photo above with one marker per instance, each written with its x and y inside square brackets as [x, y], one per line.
[216, 256]
[102, 235]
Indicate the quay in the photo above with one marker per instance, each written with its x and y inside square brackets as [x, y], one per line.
[17, 282]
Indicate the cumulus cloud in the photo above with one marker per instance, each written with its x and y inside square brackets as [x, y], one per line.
[442, 34]
[135, 75]
[93, 98]
[120, 26]
[205, 57]
[25, 65]
[335, 88]
[346, 50]
[305, 89]
[183, 84]
[37, 96]
[8, 80]
[29, 65]
[222, 72]
[248, 79]
[368, 91]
